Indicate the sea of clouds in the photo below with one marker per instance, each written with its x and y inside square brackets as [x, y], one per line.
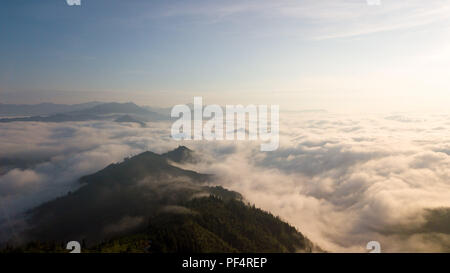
[342, 180]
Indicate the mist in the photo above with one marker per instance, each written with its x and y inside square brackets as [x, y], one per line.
[342, 180]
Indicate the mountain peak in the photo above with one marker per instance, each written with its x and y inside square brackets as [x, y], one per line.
[146, 198]
[182, 148]
[182, 154]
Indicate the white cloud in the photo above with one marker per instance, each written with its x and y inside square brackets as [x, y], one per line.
[325, 19]
[341, 180]
[344, 188]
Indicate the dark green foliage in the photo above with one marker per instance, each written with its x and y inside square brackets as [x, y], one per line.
[144, 204]
[215, 225]
[212, 225]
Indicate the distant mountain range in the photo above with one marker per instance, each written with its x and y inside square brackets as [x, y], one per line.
[145, 204]
[47, 112]
[43, 109]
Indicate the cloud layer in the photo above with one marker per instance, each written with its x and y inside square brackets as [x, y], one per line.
[342, 180]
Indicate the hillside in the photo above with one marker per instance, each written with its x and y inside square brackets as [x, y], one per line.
[144, 204]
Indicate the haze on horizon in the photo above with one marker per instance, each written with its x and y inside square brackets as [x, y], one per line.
[305, 54]
[342, 179]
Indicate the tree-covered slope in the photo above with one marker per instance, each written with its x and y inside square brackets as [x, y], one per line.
[144, 204]
[213, 225]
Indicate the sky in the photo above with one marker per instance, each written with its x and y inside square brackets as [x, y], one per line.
[342, 179]
[337, 55]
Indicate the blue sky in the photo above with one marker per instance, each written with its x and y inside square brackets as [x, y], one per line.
[335, 55]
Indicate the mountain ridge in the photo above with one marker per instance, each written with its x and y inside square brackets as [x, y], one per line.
[144, 198]
[119, 112]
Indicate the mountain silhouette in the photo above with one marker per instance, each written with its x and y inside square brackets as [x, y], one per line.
[182, 154]
[144, 198]
[118, 108]
[103, 111]
[42, 109]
